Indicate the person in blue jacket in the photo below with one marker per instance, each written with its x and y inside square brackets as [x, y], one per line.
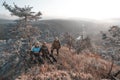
[35, 53]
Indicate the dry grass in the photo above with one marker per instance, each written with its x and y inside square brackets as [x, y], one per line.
[70, 66]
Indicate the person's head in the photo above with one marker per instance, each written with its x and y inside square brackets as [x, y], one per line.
[37, 43]
[56, 38]
[44, 43]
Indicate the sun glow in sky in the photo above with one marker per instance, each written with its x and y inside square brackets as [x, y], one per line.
[91, 9]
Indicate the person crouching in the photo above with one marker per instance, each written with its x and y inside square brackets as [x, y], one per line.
[35, 53]
[46, 54]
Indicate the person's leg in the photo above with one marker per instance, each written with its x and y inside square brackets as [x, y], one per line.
[35, 61]
[31, 56]
[52, 50]
[57, 51]
[69, 46]
[48, 57]
[43, 56]
[51, 55]
[36, 58]
[40, 59]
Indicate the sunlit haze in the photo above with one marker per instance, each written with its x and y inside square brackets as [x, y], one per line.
[91, 9]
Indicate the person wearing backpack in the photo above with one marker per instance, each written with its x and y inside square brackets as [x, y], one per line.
[35, 53]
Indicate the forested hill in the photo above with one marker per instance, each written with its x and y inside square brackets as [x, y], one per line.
[91, 27]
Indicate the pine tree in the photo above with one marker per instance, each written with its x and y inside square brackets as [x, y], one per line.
[25, 13]
[112, 42]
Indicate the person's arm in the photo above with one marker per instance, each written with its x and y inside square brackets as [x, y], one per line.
[47, 50]
[41, 51]
[32, 49]
[60, 44]
[52, 45]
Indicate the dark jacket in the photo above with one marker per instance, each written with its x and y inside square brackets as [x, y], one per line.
[44, 50]
[56, 44]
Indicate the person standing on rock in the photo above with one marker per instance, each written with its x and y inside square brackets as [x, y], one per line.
[56, 45]
[46, 54]
[35, 53]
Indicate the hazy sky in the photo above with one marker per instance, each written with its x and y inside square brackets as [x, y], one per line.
[92, 9]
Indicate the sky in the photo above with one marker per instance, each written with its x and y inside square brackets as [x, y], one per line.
[91, 9]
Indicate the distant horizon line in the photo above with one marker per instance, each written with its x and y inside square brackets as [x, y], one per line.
[62, 18]
[8, 17]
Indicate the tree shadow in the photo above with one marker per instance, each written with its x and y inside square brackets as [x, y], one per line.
[14, 67]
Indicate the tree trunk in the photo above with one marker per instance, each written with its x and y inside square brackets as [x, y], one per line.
[26, 21]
